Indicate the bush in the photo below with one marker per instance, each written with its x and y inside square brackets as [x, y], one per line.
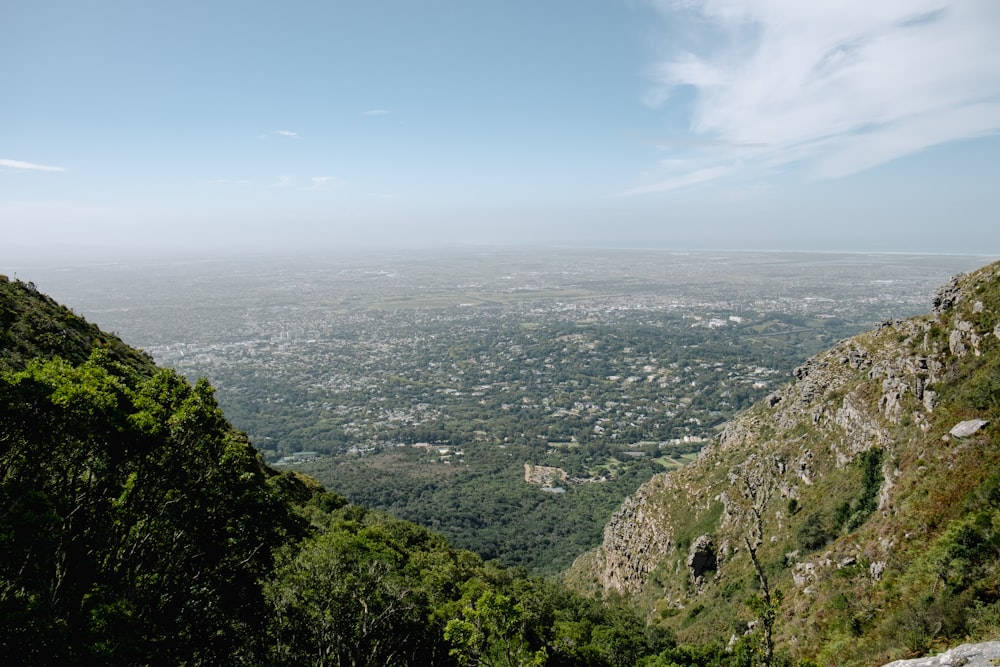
[982, 390]
[983, 621]
[920, 623]
[814, 533]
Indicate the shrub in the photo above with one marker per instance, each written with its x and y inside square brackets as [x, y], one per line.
[814, 533]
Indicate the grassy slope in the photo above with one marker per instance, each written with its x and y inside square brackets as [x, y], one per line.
[34, 325]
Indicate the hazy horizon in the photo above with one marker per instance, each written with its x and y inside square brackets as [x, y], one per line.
[15, 258]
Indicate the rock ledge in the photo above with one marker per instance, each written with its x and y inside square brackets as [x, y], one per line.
[986, 654]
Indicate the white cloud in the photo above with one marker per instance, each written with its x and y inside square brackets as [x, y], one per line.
[683, 181]
[18, 164]
[376, 112]
[288, 134]
[837, 86]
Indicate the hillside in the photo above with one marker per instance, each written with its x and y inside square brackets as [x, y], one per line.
[33, 325]
[854, 512]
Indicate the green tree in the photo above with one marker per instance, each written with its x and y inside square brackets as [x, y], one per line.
[343, 600]
[491, 633]
[136, 524]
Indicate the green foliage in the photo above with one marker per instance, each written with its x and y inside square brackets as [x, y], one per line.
[484, 504]
[491, 633]
[966, 548]
[793, 506]
[870, 462]
[983, 620]
[920, 622]
[820, 528]
[140, 528]
[765, 607]
[344, 597]
[814, 533]
[706, 655]
[370, 589]
[137, 522]
[981, 391]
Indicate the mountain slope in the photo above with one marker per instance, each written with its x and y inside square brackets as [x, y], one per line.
[33, 325]
[878, 526]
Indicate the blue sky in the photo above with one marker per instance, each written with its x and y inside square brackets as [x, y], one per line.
[829, 124]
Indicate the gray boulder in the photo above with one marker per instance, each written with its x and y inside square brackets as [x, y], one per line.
[967, 428]
[986, 654]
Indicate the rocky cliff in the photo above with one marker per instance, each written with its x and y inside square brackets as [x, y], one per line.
[873, 474]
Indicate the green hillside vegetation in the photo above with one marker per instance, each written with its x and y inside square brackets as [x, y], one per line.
[33, 325]
[483, 503]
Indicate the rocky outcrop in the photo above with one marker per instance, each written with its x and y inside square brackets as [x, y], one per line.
[967, 428]
[634, 540]
[947, 296]
[853, 396]
[986, 654]
[702, 557]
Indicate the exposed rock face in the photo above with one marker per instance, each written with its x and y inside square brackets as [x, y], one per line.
[947, 295]
[986, 654]
[831, 396]
[634, 541]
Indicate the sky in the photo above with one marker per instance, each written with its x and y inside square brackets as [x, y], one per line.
[758, 124]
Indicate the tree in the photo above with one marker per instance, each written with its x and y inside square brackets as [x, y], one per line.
[491, 633]
[752, 486]
[366, 589]
[136, 522]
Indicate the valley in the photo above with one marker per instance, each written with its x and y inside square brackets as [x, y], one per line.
[422, 383]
